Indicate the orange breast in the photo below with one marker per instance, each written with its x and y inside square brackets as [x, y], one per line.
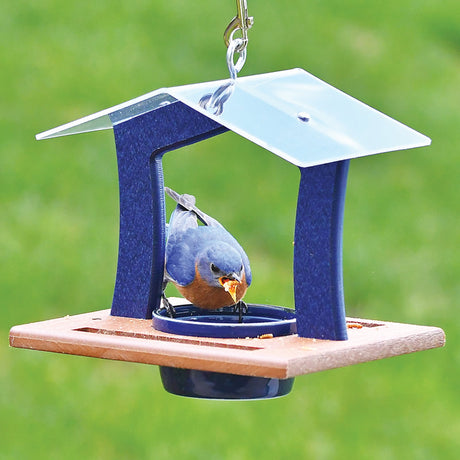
[204, 296]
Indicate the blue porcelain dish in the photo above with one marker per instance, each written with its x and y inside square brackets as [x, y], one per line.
[224, 323]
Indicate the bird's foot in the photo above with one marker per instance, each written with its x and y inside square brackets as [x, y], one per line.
[241, 308]
[167, 305]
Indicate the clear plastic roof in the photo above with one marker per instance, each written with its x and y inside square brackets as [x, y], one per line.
[290, 113]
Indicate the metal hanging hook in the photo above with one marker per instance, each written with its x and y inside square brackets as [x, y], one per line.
[240, 22]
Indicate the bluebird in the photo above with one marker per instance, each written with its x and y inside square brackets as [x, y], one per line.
[205, 262]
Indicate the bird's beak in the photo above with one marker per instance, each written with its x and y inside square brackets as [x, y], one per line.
[230, 285]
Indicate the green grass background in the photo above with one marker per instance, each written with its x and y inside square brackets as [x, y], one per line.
[59, 224]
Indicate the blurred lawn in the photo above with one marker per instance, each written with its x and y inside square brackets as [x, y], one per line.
[58, 227]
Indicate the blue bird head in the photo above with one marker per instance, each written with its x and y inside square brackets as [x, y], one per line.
[221, 265]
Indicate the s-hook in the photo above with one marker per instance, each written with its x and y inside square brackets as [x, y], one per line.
[214, 102]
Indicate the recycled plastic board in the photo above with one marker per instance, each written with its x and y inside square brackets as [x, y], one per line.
[100, 335]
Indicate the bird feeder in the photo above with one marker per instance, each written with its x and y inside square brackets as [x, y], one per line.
[293, 115]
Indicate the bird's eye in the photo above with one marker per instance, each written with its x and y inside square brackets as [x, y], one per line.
[214, 269]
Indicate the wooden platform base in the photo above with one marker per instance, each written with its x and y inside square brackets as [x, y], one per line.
[100, 335]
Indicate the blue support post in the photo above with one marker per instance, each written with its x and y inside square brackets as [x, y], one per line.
[318, 281]
[141, 143]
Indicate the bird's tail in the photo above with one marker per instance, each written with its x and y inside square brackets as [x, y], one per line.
[187, 202]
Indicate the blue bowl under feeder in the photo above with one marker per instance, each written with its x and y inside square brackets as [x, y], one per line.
[259, 320]
[291, 114]
[194, 383]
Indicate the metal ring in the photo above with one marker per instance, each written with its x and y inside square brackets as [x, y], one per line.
[232, 48]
